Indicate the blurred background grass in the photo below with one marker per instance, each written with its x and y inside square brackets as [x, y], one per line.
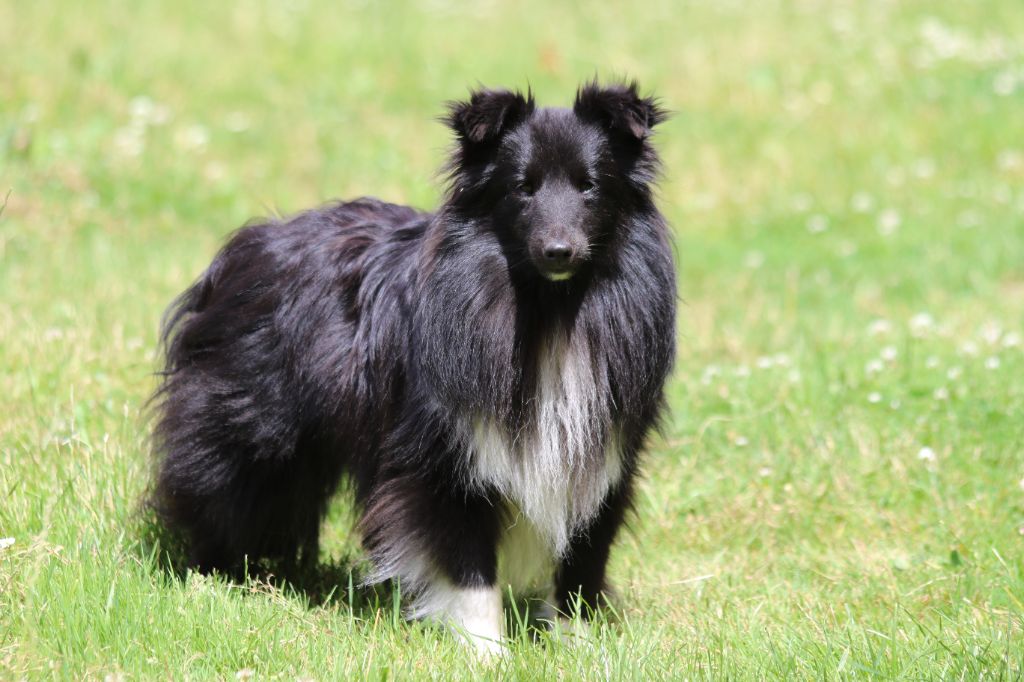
[840, 488]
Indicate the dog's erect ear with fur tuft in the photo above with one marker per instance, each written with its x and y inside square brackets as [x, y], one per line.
[619, 108]
[488, 114]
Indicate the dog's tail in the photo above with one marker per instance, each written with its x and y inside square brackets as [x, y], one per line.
[227, 437]
[191, 301]
[170, 497]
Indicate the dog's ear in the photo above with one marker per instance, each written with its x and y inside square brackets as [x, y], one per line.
[619, 108]
[487, 114]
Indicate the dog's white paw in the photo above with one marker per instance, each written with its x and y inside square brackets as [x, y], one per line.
[485, 649]
[474, 614]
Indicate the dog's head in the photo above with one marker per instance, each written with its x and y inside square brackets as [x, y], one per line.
[554, 185]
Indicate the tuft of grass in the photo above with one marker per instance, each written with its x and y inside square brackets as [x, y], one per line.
[839, 490]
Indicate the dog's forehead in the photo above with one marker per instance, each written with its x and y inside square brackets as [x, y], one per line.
[556, 136]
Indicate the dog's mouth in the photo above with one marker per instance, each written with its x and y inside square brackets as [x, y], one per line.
[557, 269]
[556, 260]
[558, 275]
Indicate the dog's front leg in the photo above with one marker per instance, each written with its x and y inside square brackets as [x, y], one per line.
[464, 592]
[580, 578]
[440, 541]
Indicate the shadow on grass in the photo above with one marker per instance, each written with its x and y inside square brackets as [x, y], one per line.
[340, 583]
[336, 582]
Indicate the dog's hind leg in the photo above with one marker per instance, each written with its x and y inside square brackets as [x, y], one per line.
[236, 509]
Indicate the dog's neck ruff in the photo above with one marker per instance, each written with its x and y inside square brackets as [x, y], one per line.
[555, 473]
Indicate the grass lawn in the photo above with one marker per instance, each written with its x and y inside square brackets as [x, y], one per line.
[839, 490]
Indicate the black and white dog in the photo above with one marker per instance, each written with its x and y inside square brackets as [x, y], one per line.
[484, 376]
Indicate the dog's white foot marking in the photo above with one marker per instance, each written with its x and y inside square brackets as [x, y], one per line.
[474, 613]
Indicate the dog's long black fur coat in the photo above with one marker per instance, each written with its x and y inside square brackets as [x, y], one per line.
[481, 374]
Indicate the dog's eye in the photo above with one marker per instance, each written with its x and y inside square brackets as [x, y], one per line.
[587, 185]
[526, 187]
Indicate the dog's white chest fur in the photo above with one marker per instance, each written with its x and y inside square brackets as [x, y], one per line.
[555, 476]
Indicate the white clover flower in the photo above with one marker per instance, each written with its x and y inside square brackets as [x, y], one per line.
[145, 112]
[874, 367]
[710, 372]
[992, 362]
[817, 223]
[926, 454]
[741, 441]
[941, 393]
[1011, 340]
[932, 362]
[141, 107]
[765, 362]
[192, 138]
[6, 542]
[879, 327]
[846, 248]
[743, 371]
[1004, 83]
[889, 353]
[944, 42]
[1010, 160]
[991, 332]
[862, 202]
[764, 472]
[874, 397]
[921, 321]
[889, 221]
[924, 168]
[130, 140]
[969, 348]
[954, 372]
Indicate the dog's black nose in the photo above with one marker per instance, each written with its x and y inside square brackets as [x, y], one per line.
[557, 253]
